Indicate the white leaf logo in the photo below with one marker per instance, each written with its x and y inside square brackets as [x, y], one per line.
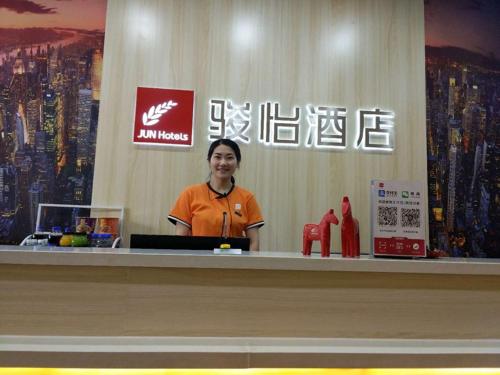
[152, 117]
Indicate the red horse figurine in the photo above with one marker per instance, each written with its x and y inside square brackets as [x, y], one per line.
[349, 231]
[321, 232]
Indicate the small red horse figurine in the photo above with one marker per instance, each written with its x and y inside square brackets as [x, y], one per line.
[321, 232]
[349, 231]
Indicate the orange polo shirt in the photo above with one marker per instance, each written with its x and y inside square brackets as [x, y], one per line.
[202, 210]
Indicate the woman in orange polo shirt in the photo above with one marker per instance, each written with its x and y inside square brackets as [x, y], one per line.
[219, 207]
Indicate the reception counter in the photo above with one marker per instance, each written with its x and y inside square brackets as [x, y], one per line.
[89, 307]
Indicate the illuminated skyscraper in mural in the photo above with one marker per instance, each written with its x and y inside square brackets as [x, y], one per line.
[33, 114]
[451, 97]
[96, 73]
[83, 130]
[8, 185]
[52, 63]
[49, 120]
[452, 158]
[20, 133]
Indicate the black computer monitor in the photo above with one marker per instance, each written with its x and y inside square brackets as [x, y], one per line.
[161, 241]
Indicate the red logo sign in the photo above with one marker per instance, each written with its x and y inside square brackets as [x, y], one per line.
[164, 117]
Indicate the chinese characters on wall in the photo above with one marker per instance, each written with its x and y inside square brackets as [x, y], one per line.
[326, 126]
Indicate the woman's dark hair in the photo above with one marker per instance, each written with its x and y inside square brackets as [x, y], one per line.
[226, 142]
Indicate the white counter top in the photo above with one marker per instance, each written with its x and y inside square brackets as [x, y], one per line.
[243, 352]
[263, 260]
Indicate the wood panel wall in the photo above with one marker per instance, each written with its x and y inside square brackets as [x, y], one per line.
[348, 53]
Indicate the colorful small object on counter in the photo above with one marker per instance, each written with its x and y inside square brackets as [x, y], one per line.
[108, 225]
[319, 232]
[66, 238]
[102, 240]
[79, 240]
[85, 224]
[349, 231]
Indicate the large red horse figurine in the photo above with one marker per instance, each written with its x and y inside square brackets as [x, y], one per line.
[349, 231]
[319, 232]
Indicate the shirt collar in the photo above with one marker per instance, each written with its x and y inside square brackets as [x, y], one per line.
[221, 195]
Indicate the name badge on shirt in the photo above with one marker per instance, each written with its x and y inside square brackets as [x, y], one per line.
[237, 209]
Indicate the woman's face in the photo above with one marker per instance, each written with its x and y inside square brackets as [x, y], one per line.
[223, 162]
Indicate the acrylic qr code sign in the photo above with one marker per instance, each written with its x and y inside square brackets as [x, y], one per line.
[397, 220]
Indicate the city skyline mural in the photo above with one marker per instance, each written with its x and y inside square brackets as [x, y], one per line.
[463, 126]
[51, 56]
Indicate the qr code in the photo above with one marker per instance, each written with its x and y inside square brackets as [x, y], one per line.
[410, 217]
[387, 216]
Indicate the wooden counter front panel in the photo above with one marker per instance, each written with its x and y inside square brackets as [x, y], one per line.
[116, 301]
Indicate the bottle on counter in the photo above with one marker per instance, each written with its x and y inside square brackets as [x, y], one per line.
[39, 238]
[55, 236]
[31, 241]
